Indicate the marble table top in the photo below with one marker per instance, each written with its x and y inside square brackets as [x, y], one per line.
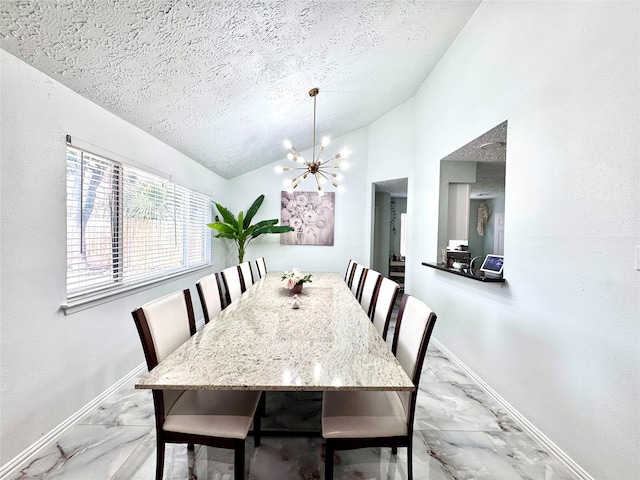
[260, 343]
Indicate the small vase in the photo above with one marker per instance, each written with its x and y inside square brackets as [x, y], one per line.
[297, 288]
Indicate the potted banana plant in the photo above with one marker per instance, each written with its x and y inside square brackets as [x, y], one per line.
[239, 229]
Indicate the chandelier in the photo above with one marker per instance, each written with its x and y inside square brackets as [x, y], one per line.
[322, 171]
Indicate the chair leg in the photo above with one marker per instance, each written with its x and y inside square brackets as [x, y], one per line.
[159, 457]
[191, 461]
[410, 460]
[394, 450]
[238, 463]
[328, 460]
[256, 429]
[262, 406]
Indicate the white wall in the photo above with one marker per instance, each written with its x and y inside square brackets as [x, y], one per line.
[561, 340]
[52, 364]
[392, 142]
[351, 240]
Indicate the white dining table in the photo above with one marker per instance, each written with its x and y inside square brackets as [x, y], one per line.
[260, 342]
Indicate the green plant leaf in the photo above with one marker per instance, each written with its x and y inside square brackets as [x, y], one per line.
[253, 209]
[271, 229]
[240, 229]
[226, 235]
[266, 223]
[280, 229]
[240, 222]
[222, 227]
[226, 214]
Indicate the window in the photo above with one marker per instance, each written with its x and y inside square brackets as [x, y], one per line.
[127, 227]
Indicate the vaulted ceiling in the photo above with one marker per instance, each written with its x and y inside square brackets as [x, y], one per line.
[226, 82]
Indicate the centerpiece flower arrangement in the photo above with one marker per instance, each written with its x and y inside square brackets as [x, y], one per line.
[294, 279]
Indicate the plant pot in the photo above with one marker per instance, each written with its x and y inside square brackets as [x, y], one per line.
[297, 288]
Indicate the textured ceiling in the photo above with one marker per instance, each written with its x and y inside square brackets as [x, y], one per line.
[492, 162]
[226, 82]
[396, 188]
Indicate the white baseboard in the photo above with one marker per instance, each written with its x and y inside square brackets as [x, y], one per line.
[526, 425]
[25, 456]
[22, 458]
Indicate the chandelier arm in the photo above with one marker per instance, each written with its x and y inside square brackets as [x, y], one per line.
[335, 157]
[316, 159]
[326, 176]
[295, 179]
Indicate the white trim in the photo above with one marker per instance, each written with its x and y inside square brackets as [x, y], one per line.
[526, 425]
[27, 455]
[84, 303]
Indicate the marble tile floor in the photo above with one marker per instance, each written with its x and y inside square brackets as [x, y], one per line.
[460, 433]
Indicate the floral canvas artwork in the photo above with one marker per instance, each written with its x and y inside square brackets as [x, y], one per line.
[311, 216]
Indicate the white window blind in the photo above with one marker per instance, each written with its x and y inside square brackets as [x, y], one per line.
[127, 227]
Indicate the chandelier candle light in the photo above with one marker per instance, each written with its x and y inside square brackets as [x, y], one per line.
[322, 170]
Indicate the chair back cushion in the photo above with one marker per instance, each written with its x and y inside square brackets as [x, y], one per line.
[355, 285]
[168, 321]
[247, 275]
[210, 296]
[385, 300]
[163, 324]
[261, 265]
[347, 275]
[413, 331]
[232, 282]
[369, 287]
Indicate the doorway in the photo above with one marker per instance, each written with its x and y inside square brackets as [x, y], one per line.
[388, 255]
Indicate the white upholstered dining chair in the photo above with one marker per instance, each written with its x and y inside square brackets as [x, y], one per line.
[363, 419]
[349, 272]
[247, 274]
[356, 277]
[233, 281]
[369, 290]
[205, 417]
[382, 305]
[261, 267]
[211, 296]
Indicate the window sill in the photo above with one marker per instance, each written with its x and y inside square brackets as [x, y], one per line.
[85, 303]
[442, 268]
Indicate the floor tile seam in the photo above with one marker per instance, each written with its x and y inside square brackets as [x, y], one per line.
[457, 430]
[107, 424]
[440, 382]
[440, 460]
[94, 446]
[144, 444]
